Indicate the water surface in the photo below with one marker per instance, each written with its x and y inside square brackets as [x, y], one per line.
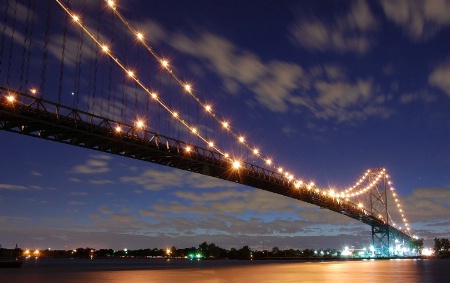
[186, 271]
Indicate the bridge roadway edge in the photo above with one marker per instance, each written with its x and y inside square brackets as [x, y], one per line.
[34, 119]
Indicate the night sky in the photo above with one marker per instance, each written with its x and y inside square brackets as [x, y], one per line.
[326, 88]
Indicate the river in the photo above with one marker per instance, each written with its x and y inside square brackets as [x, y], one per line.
[186, 271]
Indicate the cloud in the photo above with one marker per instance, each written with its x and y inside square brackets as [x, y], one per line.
[440, 78]
[422, 95]
[97, 164]
[79, 193]
[281, 86]
[271, 83]
[428, 204]
[421, 19]
[105, 210]
[12, 187]
[347, 33]
[210, 196]
[155, 180]
[332, 97]
[76, 203]
[101, 182]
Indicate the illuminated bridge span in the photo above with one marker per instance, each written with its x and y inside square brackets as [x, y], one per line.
[105, 102]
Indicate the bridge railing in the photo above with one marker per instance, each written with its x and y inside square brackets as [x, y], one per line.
[253, 175]
[11, 97]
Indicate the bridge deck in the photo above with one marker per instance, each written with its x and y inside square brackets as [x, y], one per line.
[36, 117]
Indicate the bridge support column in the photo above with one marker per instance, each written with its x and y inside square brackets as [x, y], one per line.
[379, 207]
[381, 240]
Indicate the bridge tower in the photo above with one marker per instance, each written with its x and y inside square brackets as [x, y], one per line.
[379, 208]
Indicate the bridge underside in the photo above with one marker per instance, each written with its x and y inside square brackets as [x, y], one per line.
[46, 120]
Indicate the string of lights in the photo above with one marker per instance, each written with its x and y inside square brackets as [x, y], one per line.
[131, 74]
[356, 190]
[188, 88]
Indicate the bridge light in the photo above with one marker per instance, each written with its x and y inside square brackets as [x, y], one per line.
[241, 139]
[280, 169]
[188, 149]
[140, 36]
[105, 48]
[194, 130]
[111, 4]
[154, 95]
[226, 125]
[76, 18]
[236, 164]
[211, 144]
[208, 108]
[255, 151]
[360, 205]
[226, 155]
[175, 114]
[164, 63]
[33, 90]
[11, 98]
[268, 161]
[139, 124]
[187, 87]
[130, 73]
[118, 129]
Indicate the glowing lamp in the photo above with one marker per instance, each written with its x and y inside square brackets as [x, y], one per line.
[236, 164]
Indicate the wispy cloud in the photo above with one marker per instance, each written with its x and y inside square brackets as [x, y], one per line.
[79, 193]
[421, 19]
[155, 180]
[346, 33]
[440, 78]
[283, 87]
[97, 164]
[12, 187]
[428, 204]
[105, 210]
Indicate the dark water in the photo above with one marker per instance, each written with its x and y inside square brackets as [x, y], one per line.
[186, 271]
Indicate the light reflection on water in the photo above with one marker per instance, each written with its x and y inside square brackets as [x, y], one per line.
[138, 270]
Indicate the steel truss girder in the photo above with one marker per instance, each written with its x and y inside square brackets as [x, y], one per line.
[36, 117]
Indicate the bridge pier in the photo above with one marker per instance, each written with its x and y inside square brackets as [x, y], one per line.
[379, 208]
[381, 240]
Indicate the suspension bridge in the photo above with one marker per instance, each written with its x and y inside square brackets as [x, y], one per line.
[128, 100]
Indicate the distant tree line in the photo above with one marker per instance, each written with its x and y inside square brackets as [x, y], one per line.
[442, 248]
[203, 251]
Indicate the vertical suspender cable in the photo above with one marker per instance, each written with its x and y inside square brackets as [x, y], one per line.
[11, 47]
[24, 49]
[79, 57]
[135, 84]
[111, 70]
[147, 109]
[29, 45]
[124, 85]
[61, 67]
[102, 90]
[97, 53]
[5, 21]
[45, 54]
